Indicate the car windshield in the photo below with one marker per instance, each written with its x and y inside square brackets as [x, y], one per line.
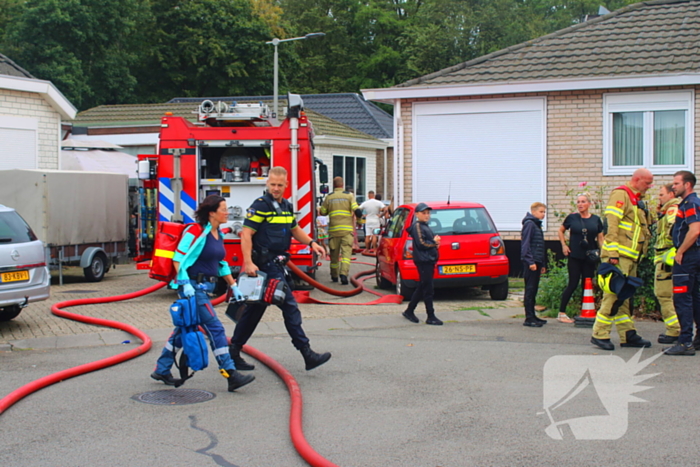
[13, 229]
[461, 221]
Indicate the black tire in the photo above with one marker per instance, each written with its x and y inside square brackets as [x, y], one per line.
[97, 268]
[381, 282]
[499, 291]
[9, 312]
[402, 288]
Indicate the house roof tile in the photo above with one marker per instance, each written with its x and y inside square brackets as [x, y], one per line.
[653, 37]
[8, 67]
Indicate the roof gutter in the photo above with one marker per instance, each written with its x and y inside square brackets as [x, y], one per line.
[45, 89]
[388, 95]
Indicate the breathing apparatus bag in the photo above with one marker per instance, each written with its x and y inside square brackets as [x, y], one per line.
[195, 354]
[167, 238]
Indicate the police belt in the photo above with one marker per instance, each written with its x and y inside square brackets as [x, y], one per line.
[200, 278]
[262, 256]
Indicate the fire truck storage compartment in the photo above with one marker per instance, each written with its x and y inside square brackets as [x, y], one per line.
[235, 173]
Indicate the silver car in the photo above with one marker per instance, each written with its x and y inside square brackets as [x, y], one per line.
[24, 274]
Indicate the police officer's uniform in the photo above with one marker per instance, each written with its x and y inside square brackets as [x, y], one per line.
[686, 276]
[663, 278]
[339, 207]
[272, 223]
[626, 240]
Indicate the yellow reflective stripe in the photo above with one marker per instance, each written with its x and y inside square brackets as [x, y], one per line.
[338, 228]
[625, 225]
[337, 212]
[257, 219]
[262, 213]
[614, 211]
[355, 206]
[628, 251]
[603, 319]
[671, 320]
[281, 220]
[610, 246]
[164, 253]
[623, 319]
[334, 265]
[345, 260]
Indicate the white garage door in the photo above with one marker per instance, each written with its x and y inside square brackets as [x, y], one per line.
[489, 151]
[18, 143]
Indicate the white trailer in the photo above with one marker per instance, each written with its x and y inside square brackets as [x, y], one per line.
[82, 217]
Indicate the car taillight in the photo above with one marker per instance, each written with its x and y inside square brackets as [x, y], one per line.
[408, 250]
[497, 247]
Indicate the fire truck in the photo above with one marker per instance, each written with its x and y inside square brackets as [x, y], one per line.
[228, 152]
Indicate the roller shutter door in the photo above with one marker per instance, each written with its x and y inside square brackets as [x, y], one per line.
[18, 143]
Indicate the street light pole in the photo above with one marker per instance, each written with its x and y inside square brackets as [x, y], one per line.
[275, 42]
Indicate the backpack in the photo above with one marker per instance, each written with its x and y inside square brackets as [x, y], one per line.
[195, 354]
[168, 235]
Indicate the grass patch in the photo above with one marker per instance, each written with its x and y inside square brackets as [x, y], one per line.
[519, 316]
[483, 313]
[476, 308]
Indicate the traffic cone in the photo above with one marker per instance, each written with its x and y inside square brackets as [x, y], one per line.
[587, 317]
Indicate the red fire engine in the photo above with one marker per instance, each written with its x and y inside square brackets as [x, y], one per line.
[228, 152]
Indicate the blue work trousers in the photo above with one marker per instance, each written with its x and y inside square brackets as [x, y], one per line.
[686, 293]
[290, 312]
[212, 327]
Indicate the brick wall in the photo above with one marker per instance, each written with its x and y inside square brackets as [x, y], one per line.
[30, 105]
[574, 148]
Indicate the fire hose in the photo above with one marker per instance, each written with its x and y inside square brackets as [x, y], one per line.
[295, 418]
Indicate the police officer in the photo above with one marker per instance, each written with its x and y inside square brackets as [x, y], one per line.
[663, 261]
[267, 232]
[686, 269]
[339, 206]
[624, 245]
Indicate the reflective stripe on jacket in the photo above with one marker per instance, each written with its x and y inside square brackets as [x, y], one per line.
[664, 238]
[339, 207]
[628, 227]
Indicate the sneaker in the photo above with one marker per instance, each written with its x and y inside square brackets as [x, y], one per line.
[604, 344]
[540, 320]
[664, 339]
[433, 320]
[680, 349]
[410, 316]
[168, 379]
[238, 380]
[696, 341]
[532, 324]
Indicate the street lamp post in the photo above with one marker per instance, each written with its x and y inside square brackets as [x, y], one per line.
[275, 42]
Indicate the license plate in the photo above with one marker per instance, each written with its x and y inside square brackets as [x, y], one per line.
[459, 269]
[14, 276]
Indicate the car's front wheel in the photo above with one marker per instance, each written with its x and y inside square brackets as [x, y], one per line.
[9, 312]
[402, 288]
[499, 291]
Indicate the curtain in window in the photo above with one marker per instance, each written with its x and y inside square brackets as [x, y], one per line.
[628, 138]
[669, 137]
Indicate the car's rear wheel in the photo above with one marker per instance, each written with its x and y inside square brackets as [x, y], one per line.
[381, 282]
[402, 288]
[499, 291]
[9, 312]
[97, 268]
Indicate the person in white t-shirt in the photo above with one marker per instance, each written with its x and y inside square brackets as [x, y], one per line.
[371, 208]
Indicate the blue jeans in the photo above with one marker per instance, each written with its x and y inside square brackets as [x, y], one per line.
[686, 293]
[290, 312]
[213, 329]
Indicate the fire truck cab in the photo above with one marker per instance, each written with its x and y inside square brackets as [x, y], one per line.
[228, 152]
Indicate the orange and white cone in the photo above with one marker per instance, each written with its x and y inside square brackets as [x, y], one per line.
[587, 317]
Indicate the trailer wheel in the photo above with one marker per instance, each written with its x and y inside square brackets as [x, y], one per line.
[98, 266]
[9, 312]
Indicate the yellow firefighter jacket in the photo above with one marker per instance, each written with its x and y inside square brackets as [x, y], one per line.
[628, 226]
[664, 239]
[339, 207]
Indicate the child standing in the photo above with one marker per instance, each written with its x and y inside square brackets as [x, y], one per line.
[322, 229]
[532, 254]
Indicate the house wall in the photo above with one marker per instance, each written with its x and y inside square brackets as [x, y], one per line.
[387, 190]
[33, 106]
[326, 153]
[574, 149]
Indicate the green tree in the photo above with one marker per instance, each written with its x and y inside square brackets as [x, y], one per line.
[85, 47]
[205, 48]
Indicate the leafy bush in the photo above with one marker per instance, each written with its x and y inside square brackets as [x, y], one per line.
[552, 285]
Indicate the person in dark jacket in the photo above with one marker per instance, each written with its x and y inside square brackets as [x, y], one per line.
[532, 254]
[425, 256]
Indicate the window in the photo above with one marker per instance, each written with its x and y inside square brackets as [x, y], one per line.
[652, 130]
[395, 226]
[353, 171]
[461, 221]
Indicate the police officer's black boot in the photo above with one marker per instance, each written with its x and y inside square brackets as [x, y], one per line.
[635, 340]
[241, 365]
[312, 359]
[238, 380]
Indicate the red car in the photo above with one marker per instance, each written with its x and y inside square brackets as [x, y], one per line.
[472, 253]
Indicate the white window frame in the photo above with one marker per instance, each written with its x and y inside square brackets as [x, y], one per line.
[648, 102]
[358, 196]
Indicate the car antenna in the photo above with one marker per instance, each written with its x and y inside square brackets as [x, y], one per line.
[449, 189]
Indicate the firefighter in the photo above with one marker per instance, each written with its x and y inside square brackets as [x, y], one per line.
[266, 236]
[626, 241]
[686, 268]
[663, 261]
[339, 206]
